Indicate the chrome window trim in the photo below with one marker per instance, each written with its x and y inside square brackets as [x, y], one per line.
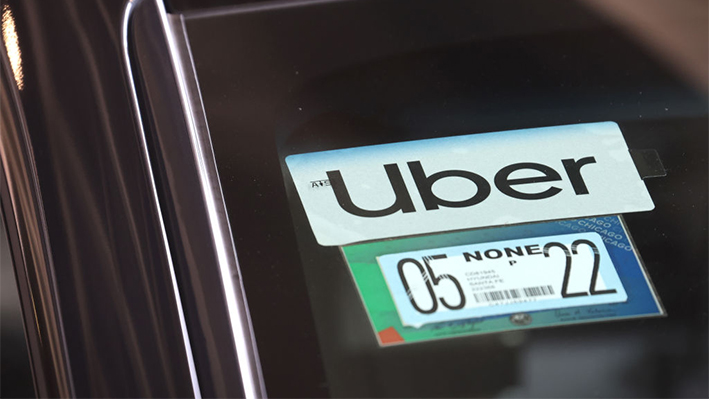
[240, 319]
[210, 189]
[153, 190]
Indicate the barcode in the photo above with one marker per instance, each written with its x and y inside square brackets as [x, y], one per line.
[502, 295]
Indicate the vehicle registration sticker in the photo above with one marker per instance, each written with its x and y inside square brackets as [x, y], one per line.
[489, 280]
[501, 277]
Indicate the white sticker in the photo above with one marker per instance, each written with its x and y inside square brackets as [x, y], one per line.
[491, 179]
[503, 277]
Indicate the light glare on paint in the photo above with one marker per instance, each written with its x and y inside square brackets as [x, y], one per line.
[9, 37]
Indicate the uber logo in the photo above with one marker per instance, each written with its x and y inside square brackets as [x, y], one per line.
[431, 201]
[470, 181]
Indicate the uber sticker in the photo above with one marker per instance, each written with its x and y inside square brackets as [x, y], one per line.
[496, 279]
[428, 186]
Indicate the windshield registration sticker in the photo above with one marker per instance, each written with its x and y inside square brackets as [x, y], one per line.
[497, 279]
[503, 277]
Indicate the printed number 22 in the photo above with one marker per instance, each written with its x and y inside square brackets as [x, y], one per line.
[567, 273]
[429, 277]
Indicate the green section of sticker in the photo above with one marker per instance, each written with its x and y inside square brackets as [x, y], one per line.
[384, 316]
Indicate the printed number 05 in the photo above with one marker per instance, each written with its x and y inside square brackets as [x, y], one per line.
[429, 277]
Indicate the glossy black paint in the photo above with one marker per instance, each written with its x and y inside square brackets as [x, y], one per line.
[15, 369]
[114, 299]
[27, 238]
